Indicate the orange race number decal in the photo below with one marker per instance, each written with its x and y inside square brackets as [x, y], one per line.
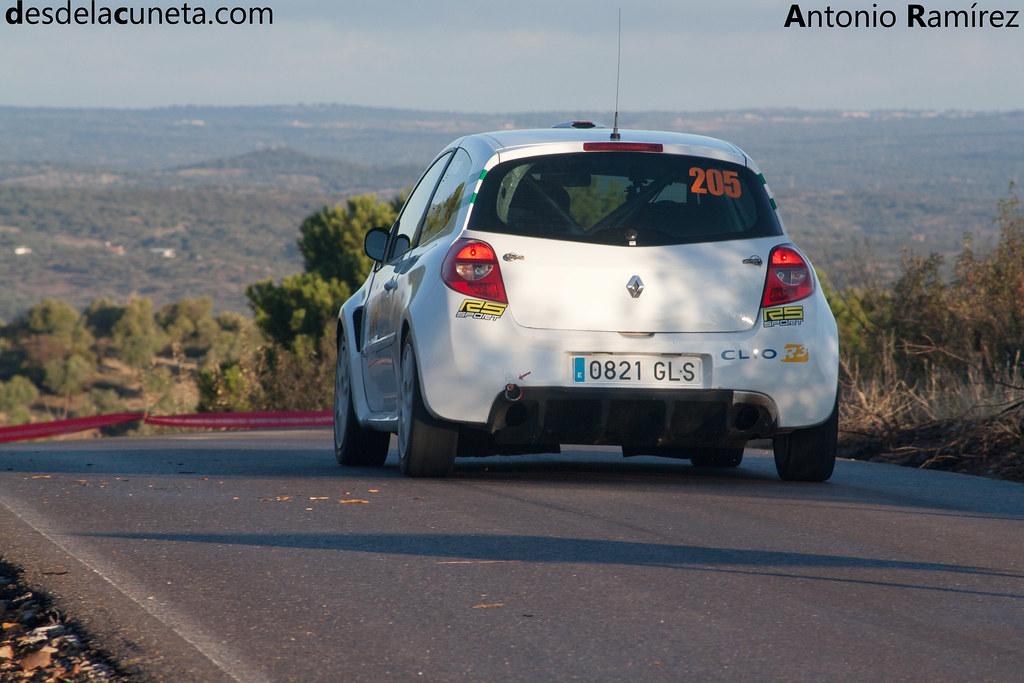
[716, 182]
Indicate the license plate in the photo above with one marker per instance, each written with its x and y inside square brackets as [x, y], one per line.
[661, 371]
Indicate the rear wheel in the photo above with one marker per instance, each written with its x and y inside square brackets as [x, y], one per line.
[426, 446]
[718, 457]
[354, 445]
[808, 454]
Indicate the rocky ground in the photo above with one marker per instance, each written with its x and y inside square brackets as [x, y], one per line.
[39, 645]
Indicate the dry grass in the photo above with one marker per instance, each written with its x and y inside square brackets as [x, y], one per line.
[966, 423]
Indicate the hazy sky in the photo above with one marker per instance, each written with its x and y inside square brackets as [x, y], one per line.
[511, 56]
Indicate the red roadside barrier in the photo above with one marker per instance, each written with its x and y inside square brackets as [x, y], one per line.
[256, 420]
[77, 424]
[253, 420]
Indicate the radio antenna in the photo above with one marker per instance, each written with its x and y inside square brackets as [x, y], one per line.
[618, 74]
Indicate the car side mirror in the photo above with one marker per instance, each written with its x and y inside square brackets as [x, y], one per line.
[375, 243]
[402, 244]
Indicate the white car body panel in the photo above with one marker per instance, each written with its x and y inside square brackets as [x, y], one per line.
[571, 286]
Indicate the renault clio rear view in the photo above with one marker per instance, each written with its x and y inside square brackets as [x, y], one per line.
[580, 286]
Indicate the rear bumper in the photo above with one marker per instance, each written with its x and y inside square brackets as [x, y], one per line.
[465, 364]
[634, 418]
[463, 375]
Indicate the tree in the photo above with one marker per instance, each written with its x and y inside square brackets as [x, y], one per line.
[66, 377]
[921, 316]
[987, 295]
[101, 315]
[54, 332]
[236, 335]
[17, 392]
[302, 304]
[53, 317]
[190, 322]
[331, 244]
[16, 396]
[231, 387]
[332, 239]
[863, 316]
[136, 335]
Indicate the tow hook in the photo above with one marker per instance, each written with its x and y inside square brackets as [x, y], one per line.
[513, 392]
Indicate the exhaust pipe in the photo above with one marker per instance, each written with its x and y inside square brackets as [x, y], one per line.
[746, 417]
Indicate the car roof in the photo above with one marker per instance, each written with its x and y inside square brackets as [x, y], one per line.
[503, 141]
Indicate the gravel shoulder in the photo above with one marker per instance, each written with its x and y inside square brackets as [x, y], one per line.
[38, 643]
[43, 586]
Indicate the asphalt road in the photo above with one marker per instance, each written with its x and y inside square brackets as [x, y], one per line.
[255, 557]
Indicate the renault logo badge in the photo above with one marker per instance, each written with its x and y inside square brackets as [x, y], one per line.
[635, 286]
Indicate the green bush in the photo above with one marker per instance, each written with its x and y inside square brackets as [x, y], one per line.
[17, 393]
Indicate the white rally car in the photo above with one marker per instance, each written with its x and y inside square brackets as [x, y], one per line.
[579, 286]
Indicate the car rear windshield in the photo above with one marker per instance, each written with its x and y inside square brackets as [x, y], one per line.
[624, 198]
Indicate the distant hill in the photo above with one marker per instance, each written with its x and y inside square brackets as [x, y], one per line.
[943, 152]
[175, 137]
[92, 201]
[291, 169]
[273, 168]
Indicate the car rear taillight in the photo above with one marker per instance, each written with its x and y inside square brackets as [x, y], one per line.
[789, 277]
[472, 268]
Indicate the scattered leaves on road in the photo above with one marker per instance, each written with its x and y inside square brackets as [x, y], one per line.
[35, 644]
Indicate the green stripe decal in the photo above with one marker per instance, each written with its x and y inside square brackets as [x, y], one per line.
[483, 173]
[760, 176]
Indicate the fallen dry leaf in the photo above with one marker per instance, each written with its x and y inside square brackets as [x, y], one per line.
[496, 604]
[353, 500]
[6, 652]
[319, 497]
[35, 660]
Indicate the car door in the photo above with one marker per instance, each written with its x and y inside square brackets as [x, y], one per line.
[384, 298]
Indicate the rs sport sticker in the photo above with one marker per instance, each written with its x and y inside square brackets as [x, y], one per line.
[783, 316]
[481, 310]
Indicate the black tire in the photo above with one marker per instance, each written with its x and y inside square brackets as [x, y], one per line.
[808, 454]
[426, 446]
[718, 457]
[354, 446]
